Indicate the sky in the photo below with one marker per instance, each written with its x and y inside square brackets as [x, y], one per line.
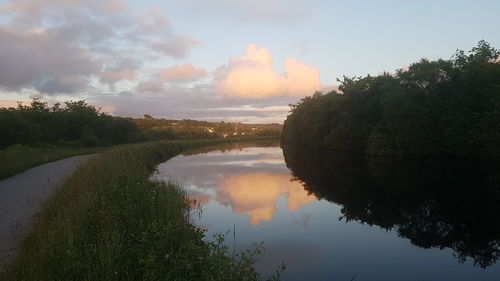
[220, 60]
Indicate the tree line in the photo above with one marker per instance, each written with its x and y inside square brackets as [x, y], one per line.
[160, 128]
[434, 107]
[75, 123]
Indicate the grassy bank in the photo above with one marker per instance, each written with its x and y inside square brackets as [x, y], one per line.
[20, 157]
[110, 222]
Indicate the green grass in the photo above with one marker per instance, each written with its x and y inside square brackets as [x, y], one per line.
[110, 222]
[19, 158]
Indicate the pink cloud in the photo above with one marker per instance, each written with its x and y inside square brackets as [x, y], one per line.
[115, 6]
[112, 76]
[8, 103]
[252, 76]
[185, 72]
[46, 45]
[152, 86]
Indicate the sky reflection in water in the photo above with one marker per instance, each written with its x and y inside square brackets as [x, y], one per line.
[252, 188]
[249, 181]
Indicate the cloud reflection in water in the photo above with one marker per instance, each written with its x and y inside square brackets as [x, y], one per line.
[249, 180]
[255, 194]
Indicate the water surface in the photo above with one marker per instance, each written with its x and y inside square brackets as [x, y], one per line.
[333, 218]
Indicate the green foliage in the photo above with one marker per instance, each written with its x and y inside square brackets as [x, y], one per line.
[447, 107]
[164, 129]
[38, 123]
[109, 221]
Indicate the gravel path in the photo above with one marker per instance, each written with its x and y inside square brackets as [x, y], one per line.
[22, 195]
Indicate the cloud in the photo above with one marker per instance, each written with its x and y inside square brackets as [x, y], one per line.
[59, 46]
[252, 76]
[113, 76]
[35, 58]
[255, 194]
[250, 182]
[183, 73]
[187, 101]
[152, 86]
[114, 6]
[8, 103]
[176, 47]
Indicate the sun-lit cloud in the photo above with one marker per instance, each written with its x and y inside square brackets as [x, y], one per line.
[8, 103]
[97, 50]
[183, 73]
[114, 6]
[110, 109]
[253, 76]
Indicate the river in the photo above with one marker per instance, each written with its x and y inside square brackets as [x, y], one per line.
[344, 217]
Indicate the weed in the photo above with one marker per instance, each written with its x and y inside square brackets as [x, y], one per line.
[109, 221]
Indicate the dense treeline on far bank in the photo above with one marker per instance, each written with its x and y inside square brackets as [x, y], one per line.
[441, 107]
[78, 124]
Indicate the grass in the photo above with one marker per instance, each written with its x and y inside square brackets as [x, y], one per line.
[110, 222]
[19, 158]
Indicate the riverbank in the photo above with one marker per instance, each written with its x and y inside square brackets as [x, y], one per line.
[108, 221]
[21, 197]
[19, 158]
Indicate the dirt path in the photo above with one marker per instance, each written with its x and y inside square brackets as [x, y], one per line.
[21, 196]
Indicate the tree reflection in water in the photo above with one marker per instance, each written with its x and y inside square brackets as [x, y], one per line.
[445, 203]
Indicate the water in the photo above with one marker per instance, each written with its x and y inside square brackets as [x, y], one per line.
[336, 218]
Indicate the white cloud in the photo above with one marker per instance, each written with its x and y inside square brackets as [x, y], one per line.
[252, 76]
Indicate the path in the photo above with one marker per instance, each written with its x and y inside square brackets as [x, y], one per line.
[22, 195]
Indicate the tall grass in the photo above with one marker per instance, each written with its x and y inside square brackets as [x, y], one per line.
[110, 222]
[18, 158]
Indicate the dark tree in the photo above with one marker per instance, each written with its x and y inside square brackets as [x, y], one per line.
[437, 107]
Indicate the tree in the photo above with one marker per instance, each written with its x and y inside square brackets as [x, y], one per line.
[433, 107]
